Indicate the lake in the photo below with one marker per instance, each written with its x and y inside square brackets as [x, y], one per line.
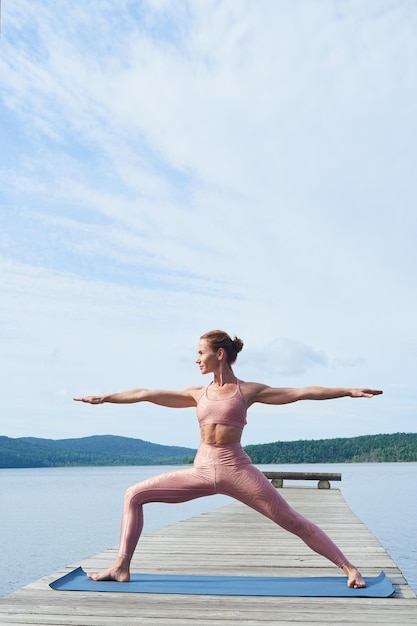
[53, 517]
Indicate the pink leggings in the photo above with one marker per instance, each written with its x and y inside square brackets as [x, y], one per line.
[224, 469]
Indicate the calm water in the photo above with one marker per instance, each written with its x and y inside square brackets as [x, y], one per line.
[53, 517]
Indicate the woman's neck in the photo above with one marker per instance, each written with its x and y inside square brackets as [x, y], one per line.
[224, 376]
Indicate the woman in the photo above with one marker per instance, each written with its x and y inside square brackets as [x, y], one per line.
[221, 465]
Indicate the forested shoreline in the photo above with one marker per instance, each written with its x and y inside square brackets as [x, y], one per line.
[390, 448]
[104, 450]
[98, 450]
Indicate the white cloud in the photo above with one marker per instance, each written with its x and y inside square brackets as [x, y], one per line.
[169, 168]
[285, 357]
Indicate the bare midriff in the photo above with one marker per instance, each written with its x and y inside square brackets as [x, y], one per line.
[219, 434]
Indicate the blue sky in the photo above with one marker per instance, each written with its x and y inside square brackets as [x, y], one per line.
[170, 168]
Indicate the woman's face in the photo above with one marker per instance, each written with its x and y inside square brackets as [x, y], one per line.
[207, 358]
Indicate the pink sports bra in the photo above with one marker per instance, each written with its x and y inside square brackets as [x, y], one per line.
[229, 411]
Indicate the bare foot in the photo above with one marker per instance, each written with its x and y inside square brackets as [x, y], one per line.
[119, 572]
[355, 579]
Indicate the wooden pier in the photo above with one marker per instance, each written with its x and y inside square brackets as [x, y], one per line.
[233, 540]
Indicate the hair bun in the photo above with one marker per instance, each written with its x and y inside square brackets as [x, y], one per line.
[238, 343]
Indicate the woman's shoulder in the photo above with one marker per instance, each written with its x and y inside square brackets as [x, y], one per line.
[252, 385]
[195, 392]
[251, 389]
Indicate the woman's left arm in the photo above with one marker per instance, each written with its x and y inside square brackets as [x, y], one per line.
[286, 395]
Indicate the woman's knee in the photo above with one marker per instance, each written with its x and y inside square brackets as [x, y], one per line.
[297, 524]
[133, 495]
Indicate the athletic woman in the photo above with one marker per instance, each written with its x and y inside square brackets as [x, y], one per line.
[221, 465]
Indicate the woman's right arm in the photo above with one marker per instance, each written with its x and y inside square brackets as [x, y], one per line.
[174, 399]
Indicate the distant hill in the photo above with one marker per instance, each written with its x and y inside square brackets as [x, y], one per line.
[113, 450]
[95, 450]
[365, 449]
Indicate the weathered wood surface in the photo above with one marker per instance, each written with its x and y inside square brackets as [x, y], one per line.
[323, 478]
[304, 475]
[233, 540]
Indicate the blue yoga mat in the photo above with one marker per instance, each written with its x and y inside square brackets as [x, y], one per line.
[324, 586]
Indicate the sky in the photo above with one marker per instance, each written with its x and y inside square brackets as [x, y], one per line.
[169, 168]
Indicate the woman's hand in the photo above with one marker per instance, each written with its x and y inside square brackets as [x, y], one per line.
[364, 393]
[91, 399]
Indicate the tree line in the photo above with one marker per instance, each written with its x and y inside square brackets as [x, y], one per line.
[107, 450]
[99, 450]
[398, 447]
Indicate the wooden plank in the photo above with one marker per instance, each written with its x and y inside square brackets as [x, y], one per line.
[323, 478]
[304, 475]
[233, 540]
